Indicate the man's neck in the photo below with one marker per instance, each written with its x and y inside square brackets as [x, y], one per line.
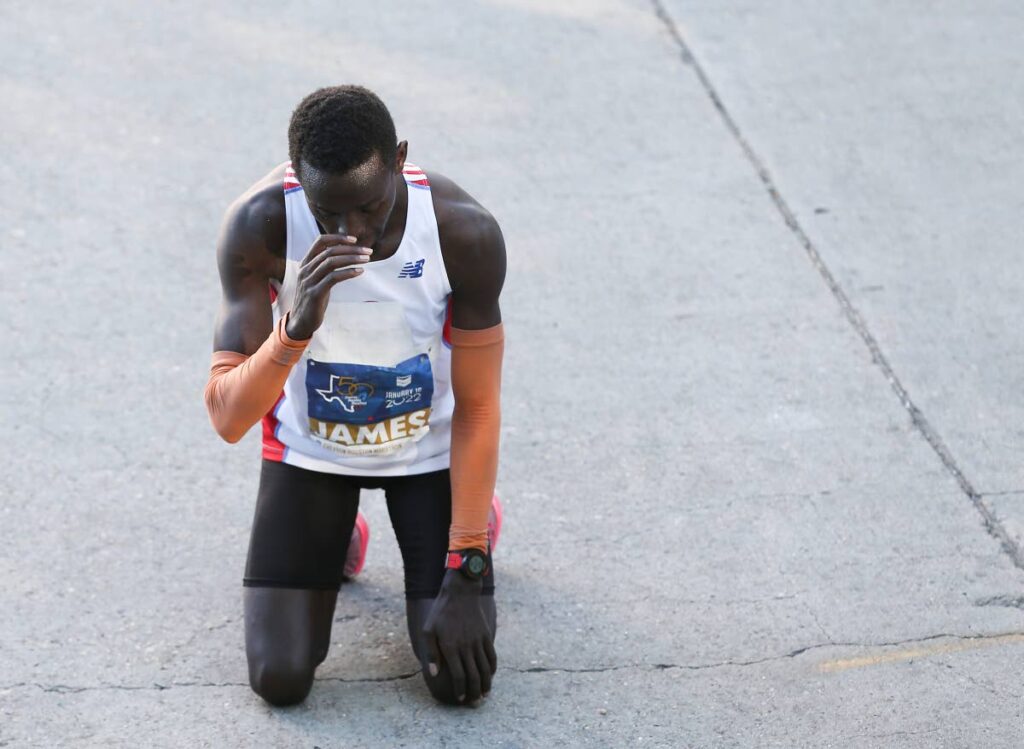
[394, 230]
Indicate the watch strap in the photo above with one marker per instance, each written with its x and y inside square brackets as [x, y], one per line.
[454, 561]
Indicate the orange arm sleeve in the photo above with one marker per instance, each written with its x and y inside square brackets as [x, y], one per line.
[476, 422]
[241, 388]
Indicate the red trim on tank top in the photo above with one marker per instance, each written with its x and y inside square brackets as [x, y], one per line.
[273, 448]
[446, 333]
[290, 180]
[415, 175]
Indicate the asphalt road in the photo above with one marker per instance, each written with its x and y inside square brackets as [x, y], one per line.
[762, 412]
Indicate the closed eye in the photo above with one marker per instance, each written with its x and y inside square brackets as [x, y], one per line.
[324, 212]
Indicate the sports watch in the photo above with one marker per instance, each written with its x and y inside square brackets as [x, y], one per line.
[472, 563]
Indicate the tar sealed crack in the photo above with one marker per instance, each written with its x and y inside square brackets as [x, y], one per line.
[767, 659]
[70, 689]
[1012, 602]
[76, 689]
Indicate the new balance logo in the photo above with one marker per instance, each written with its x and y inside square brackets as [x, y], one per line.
[412, 269]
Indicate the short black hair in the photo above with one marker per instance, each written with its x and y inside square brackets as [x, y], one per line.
[337, 128]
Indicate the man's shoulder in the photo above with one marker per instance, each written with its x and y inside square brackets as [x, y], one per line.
[258, 216]
[468, 232]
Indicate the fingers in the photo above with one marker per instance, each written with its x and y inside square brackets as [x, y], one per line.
[334, 265]
[454, 662]
[323, 242]
[484, 668]
[433, 654]
[469, 666]
[336, 254]
[492, 657]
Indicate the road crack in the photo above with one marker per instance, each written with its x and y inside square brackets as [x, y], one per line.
[1013, 602]
[73, 689]
[791, 654]
[157, 687]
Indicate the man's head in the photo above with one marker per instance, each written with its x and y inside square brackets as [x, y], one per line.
[345, 153]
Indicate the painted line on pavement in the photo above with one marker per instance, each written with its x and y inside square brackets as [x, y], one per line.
[845, 664]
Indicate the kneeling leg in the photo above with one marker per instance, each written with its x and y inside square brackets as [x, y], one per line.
[287, 634]
[420, 507]
[300, 533]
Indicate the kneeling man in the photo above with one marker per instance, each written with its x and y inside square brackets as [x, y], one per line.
[360, 322]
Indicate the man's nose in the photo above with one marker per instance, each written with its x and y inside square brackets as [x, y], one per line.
[350, 225]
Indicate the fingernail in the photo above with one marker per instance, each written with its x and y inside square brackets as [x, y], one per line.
[350, 238]
[432, 668]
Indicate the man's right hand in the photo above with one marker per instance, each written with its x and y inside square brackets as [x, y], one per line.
[333, 258]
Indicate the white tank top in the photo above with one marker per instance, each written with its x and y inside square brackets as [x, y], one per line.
[372, 394]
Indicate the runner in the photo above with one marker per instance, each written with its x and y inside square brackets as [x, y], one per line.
[360, 321]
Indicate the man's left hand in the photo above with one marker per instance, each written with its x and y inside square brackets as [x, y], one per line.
[457, 631]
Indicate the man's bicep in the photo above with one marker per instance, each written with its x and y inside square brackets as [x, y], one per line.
[482, 276]
[243, 324]
[245, 318]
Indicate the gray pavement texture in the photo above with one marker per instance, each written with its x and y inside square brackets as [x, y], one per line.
[762, 388]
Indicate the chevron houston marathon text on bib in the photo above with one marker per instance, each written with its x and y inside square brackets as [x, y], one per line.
[372, 393]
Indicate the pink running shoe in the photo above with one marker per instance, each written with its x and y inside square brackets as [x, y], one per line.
[356, 556]
[494, 523]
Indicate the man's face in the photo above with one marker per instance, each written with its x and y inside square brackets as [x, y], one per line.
[358, 202]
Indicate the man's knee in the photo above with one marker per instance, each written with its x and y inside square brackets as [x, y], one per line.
[287, 631]
[281, 682]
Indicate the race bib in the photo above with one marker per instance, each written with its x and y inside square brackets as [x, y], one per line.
[358, 409]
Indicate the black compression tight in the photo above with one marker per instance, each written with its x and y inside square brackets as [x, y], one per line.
[300, 535]
[304, 521]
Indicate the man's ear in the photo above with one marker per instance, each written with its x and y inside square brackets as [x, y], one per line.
[403, 151]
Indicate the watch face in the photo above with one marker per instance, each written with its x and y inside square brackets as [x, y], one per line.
[476, 565]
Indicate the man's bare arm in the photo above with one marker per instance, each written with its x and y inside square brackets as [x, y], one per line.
[245, 261]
